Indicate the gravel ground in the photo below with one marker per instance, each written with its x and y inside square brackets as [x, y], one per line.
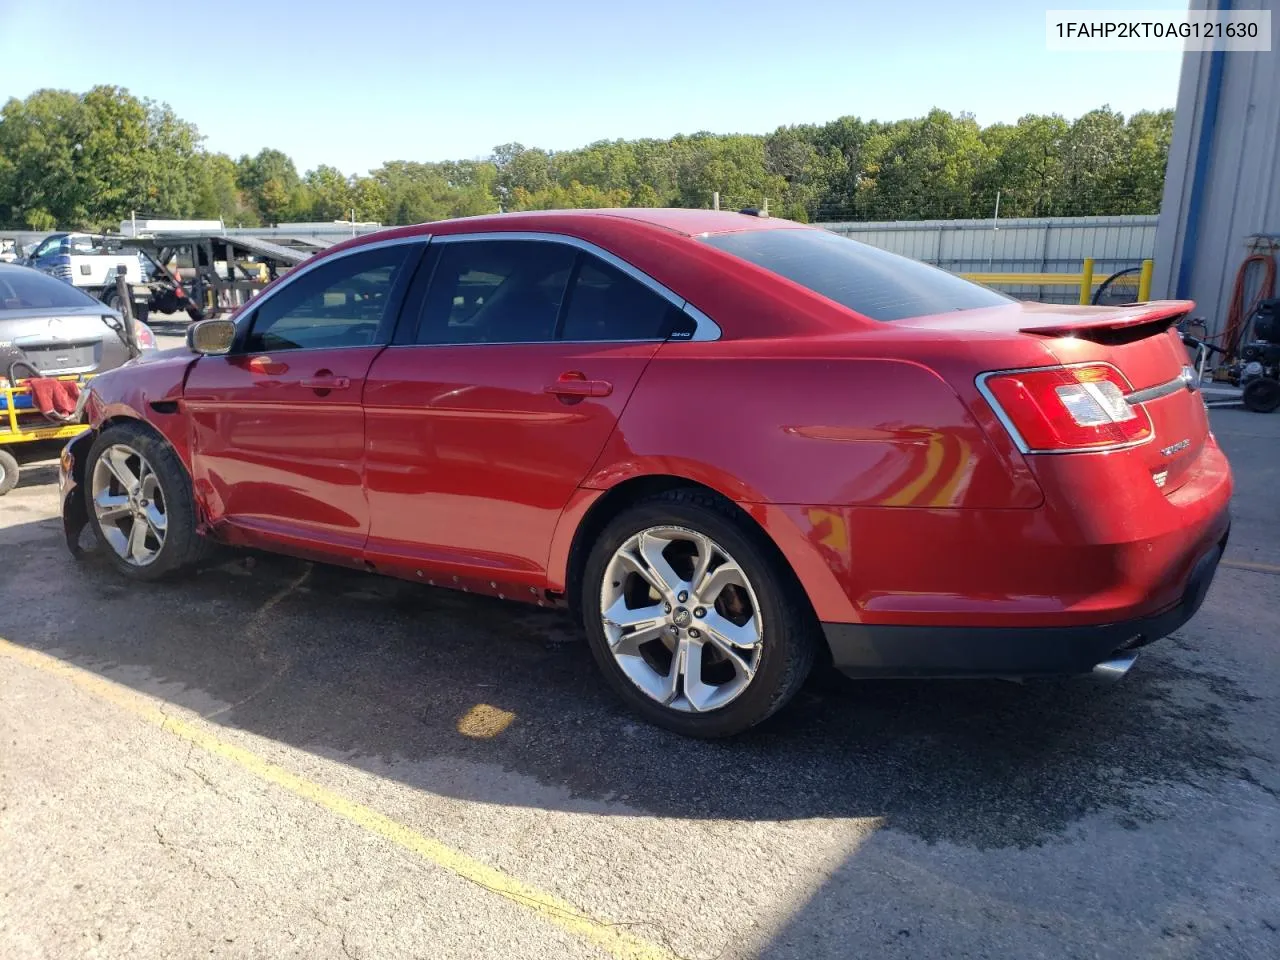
[275, 759]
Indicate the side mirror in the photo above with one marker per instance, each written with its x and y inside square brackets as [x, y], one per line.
[211, 337]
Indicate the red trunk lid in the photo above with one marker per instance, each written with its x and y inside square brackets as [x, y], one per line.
[1141, 341]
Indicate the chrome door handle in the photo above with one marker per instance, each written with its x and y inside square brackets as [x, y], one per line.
[326, 383]
[575, 387]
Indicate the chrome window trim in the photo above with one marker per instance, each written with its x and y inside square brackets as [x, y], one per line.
[981, 382]
[704, 327]
[317, 261]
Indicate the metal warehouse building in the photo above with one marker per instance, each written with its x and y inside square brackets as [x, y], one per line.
[1222, 189]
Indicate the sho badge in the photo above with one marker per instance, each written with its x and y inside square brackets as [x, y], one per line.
[1173, 448]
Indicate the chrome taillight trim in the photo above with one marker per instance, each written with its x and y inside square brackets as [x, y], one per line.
[1023, 447]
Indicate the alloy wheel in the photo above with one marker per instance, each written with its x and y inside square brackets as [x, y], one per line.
[681, 619]
[129, 504]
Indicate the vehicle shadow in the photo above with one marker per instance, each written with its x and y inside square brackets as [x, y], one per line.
[383, 674]
[37, 474]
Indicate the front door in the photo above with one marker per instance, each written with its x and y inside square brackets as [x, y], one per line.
[278, 430]
[484, 421]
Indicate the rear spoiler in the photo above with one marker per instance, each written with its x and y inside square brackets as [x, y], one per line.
[1120, 325]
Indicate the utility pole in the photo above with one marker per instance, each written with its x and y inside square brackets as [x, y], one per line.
[995, 218]
[715, 200]
[764, 211]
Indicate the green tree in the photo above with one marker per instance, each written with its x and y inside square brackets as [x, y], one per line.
[270, 180]
[1140, 182]
[218, 195]
[369, 197]
[1093, 161]
[39, 154]
[88, 160]
[172, 165]
[1027, 167]
[926, 169]
[521, 168]
[330, 194]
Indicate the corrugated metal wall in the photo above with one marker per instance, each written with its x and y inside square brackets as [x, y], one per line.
[1032, 245]
[1240, 194]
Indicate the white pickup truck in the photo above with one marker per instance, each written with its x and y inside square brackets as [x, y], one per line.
[83, 261]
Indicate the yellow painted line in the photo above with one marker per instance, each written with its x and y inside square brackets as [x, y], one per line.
[613, 938]
[1249, 565]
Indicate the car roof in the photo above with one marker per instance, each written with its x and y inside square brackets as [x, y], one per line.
[674, 220]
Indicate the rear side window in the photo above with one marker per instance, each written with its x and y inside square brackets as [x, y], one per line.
[495, 291]
[606, 304]
[873, 282]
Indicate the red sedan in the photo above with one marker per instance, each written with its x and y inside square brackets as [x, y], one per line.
[734, 445]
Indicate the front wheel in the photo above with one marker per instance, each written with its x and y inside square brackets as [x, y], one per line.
[693, 618]
[140, 503]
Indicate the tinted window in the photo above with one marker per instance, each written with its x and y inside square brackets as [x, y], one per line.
[606, 304]
[875, 283]
[338, 304]
[21, 288]
[50, 246]
[495, 291]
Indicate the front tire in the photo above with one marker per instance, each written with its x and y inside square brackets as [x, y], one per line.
[693, 618]
[140, 503]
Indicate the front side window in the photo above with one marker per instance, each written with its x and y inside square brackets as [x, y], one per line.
[495, 291]
[866, 279]
[606, 304]
[344, 303]
[48, 248]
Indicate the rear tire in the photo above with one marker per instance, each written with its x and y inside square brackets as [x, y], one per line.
[724, 658]
[9, 471]
[140, 503]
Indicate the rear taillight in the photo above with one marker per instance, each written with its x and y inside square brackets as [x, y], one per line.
[1066, 409]
[146, 339]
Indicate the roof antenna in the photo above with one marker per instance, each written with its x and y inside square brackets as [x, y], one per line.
[750, 211]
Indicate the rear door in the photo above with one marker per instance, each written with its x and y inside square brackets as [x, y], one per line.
[511, 377]
[278, 430]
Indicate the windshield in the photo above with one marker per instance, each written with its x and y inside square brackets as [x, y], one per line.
[866, 279]
[24, 289]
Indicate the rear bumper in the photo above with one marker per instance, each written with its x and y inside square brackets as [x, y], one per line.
[869, 650]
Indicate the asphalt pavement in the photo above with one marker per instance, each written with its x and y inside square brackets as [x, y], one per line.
[279, 759]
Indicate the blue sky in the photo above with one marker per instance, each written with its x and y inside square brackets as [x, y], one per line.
[357, 83]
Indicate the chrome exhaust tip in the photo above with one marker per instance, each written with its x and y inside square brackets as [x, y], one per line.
[1112, 670]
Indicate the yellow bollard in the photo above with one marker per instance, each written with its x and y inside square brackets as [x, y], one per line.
[1086, 282]
[1144, 282]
